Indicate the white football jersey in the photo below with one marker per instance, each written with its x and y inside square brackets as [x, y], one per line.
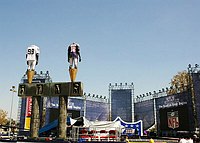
[31, 52]
[73, 49]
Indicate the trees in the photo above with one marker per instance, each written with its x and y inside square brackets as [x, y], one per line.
[3, 117]
[179, 83]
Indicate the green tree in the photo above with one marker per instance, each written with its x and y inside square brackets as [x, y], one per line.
[179, 83]
[3, 117]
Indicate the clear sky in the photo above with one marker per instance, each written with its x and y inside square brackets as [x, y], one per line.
[146, 42]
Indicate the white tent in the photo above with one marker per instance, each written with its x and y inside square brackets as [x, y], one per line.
[81, 122]
[106, 125]
[97, 125]
[97, 130]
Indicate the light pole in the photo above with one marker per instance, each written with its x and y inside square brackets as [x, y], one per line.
[191, 72]
[13, 91]
[84, 105]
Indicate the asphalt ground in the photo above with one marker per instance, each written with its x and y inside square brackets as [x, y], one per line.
[140, 140]
[134, 141]
[155, 141]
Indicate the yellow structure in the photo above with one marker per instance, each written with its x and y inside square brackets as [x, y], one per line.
[30, 75]
[27, 123]
[151, 141]
[72, 72]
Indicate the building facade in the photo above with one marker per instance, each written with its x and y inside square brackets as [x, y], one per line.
[92, 108]
[172, 114]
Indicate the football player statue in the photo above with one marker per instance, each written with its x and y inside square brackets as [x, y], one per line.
[32, 57]
[73, 58]
[74, 55]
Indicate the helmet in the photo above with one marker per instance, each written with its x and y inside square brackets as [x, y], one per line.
[74, 44]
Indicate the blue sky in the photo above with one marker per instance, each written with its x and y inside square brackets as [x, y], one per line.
[146, 42]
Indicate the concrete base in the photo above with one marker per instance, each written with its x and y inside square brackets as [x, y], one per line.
[62, 127]
[35, 116]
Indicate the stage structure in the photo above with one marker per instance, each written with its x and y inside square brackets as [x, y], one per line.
[174, 114]
[121, 101]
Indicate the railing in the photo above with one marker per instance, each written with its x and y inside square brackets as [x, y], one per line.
[92, 134]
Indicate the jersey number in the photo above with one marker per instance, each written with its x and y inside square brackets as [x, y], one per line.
[31, 51]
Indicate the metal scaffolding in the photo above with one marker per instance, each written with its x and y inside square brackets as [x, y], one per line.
[121, 87]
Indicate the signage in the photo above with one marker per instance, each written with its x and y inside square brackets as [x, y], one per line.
[28, 113]
[173, 120]
[51, 89]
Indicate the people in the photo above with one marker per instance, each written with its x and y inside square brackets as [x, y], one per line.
[190, 140]
[127, 140]
[195, 139]
[182, 140]
[32, 56]
[74, 55]
[151, 141]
